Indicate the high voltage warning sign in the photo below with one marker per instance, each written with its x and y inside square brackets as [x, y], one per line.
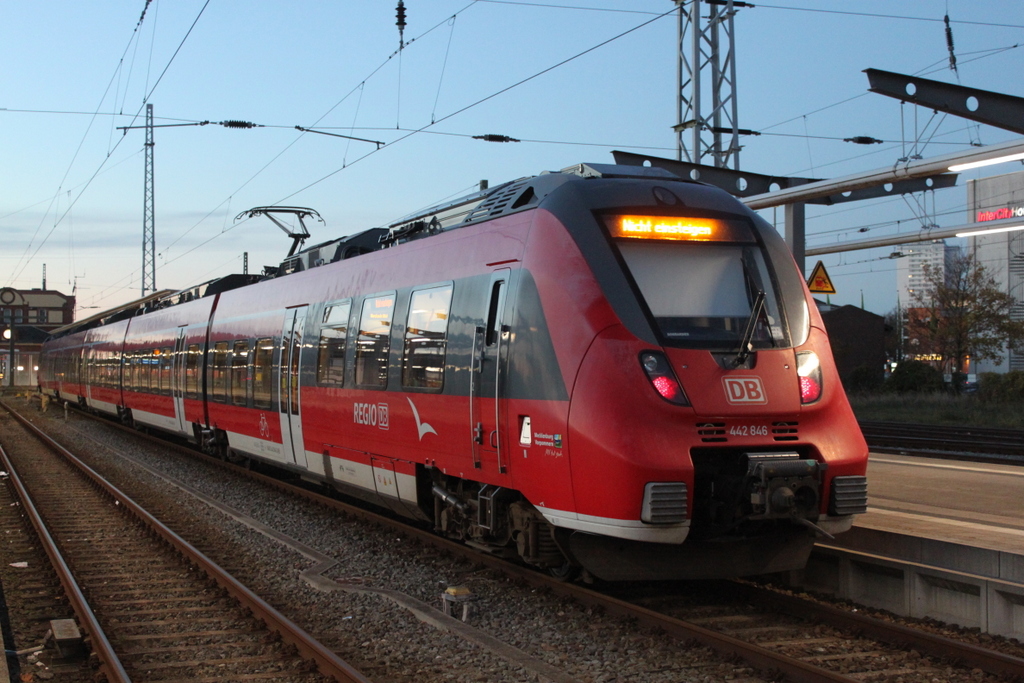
[819, 282]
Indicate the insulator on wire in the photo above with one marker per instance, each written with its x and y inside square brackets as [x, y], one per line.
[863, 140]
[949, 44]
[491, 137]
[238, 124]
[400, 14]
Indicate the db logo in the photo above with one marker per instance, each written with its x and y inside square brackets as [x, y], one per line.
[744, 390]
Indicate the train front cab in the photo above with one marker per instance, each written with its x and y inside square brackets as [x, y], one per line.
[707, 409]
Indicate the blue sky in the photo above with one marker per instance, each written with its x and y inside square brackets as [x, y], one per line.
[72, 183]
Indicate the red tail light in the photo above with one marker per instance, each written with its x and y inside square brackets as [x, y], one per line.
[664, 381]
[808, 368]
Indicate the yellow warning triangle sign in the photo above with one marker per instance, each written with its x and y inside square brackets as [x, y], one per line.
[820, 282]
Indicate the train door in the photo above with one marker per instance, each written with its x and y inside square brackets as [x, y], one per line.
[178, 379]
[490, 352]
[292, 447]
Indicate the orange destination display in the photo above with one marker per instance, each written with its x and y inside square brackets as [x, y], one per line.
[683, 228]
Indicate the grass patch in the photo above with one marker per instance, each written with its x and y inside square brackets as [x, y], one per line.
[938, 409]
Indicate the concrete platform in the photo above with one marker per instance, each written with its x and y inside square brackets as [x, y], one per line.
[941, 539]
[981, 505]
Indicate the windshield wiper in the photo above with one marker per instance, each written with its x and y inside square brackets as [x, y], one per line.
[748, 334]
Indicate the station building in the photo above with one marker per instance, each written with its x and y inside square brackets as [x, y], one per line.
[1002, 253]
[919, 265]
[917, 259]
[27, 317]
[857, 338]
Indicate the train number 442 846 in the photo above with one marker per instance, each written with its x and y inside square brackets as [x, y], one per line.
[748, 430]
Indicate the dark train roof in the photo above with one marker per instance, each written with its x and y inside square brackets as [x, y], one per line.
[513, 196]
[516, 195]
[104, 317]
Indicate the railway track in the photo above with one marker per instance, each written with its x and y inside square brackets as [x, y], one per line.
[975, 443]
[32, 590]
[772, 634]
[851, 646]
[153, 606]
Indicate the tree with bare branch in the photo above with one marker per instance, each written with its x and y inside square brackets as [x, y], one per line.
[963, 314]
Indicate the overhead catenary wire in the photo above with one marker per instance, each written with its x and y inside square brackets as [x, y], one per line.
[556, 6]
[410, 132]
[444, 66]
[484, 99]
[879, 15]
[358, 88]
[982, 54]
[569, 7]
[16, 271]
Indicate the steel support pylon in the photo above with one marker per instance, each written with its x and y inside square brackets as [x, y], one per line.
[707, 70]
[148, 213]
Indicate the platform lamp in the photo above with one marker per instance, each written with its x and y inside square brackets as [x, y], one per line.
[9, 336]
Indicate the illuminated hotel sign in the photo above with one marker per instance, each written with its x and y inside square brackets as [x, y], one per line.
[999, 214]
[675, 228]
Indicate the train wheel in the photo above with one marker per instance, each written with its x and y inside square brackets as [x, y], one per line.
[125, 415]
[567, 572]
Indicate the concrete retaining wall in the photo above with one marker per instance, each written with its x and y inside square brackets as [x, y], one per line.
[957, 584]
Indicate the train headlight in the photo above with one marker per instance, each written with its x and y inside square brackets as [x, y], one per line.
[808, 369]
[664, 381]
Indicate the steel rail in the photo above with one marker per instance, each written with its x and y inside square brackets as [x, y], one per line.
[990, 661]
[110, 663]
[328, 663]
[994, 434]
[975, 443]
[758, 657]
[794, 670]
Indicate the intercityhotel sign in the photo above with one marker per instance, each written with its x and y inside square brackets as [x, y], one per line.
[999, 214]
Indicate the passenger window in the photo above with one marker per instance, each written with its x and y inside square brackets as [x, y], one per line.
[330, 368]
[426, 336]
[152, 371]
[374, 341]
[130, 367]
[494, 312]
[239, 372]
[263, 374]
[192, 371]
[165, 371]
[220, 372]
[285, 350]
[140, 371]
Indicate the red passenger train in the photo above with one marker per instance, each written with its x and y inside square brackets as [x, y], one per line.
[608, 368]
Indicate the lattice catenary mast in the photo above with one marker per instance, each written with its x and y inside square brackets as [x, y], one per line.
[707, 69]
[148, 213]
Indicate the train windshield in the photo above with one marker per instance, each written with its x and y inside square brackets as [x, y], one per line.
[702, 294]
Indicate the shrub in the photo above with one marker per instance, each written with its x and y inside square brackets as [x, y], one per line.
[1001, 387]
[913, 376]
[864, 379]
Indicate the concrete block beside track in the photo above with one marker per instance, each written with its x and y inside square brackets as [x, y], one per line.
[923, 578]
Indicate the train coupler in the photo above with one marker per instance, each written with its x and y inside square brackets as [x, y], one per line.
[784, 485]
